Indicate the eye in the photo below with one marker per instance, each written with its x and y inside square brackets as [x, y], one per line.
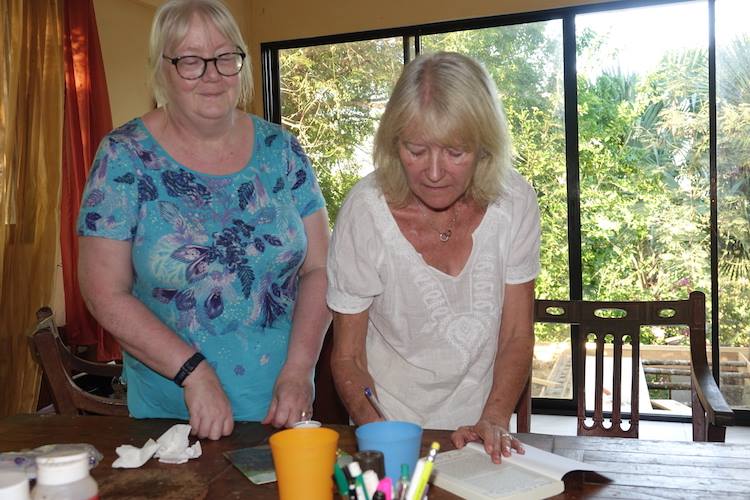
[455, 152]
[415, 149]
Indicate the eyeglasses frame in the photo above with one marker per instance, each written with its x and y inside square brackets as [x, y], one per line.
[215, 60]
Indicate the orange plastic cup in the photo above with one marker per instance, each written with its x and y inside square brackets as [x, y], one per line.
[303, 459]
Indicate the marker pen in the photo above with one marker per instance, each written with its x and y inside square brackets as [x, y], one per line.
[370, 478]
[386, 486]
[414, 481]
[403, 482]
[356, 474]
[341, 483]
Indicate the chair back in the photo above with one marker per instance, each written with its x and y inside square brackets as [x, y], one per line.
[59, 365]
[619, 323]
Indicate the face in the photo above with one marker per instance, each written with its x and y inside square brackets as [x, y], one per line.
[211, 96]
[437, 174]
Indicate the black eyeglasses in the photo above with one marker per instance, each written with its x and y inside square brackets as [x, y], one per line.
[194, 67]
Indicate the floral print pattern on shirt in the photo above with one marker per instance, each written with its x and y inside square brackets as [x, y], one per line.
[215, 257]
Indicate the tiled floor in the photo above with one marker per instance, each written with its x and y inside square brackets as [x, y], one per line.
[668, 431]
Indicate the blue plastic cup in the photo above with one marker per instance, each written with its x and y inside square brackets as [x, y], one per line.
[399, 442]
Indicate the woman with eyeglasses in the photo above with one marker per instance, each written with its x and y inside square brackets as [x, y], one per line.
[203, 240]
[433, 260]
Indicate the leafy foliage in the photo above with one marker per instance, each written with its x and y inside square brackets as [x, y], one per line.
[643, 144]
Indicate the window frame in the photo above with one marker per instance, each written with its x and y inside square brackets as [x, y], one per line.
[411, 41]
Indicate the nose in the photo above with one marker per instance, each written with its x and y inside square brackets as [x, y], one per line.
[212, 72]
[435, 170]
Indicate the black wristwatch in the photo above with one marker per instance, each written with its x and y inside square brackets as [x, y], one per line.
[188, 367]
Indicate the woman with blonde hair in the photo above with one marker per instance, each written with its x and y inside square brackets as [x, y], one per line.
[433, 259]
[203, 240]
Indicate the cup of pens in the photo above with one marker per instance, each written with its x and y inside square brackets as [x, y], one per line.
[303, 459]
[398, 441]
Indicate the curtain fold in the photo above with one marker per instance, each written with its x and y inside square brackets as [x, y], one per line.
[87, 120]
[31, 109]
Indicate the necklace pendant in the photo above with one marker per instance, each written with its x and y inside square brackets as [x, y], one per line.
[445, 236]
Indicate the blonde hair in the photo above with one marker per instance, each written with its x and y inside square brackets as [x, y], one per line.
[451, 100]
[170, 26]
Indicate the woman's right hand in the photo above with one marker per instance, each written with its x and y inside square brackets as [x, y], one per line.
[208, 405]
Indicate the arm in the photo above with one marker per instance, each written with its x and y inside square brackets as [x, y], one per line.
[349, 365]
[515, 351]
[106, 279]
[293, 391]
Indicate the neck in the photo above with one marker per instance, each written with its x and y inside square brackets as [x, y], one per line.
[203, 131]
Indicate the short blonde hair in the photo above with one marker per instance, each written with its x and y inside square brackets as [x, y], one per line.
[170, 27]
[452, 100]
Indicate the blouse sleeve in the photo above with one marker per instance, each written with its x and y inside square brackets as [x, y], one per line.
[523, 262]
[353, 258]
[305, 189]
[114, 188]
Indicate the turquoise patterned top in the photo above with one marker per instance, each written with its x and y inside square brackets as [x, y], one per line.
[215, 257]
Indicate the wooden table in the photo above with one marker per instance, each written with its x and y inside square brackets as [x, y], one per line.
[628, 468]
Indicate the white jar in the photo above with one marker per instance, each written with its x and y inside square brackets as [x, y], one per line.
[13, 486]
[64, 476]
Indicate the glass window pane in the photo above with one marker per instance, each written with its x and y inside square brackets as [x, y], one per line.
[525, 62]
[332, 97]
[733, 193]
[644, 165]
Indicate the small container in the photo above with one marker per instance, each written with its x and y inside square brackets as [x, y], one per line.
[14, 485]
[64, 476]
[306, 424]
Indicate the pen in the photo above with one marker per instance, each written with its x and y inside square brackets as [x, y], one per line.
[426, 471]
[374, 402]
[341, 483]
[415, 479]
[385, 486]
[403, 482]
[356, 474]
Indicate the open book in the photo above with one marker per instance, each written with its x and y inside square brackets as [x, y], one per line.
[470, 473]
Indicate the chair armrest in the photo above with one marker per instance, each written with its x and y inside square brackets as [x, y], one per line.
[93, 367]
[718, 411]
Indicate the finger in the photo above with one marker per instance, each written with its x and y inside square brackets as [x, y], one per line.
[493, 447]
[271, 412]
[518, 446]
[214, 431]
[505, 444]
[459, 438]
[228, 426]
[195, 424]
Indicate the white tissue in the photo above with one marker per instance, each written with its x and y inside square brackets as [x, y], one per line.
[172, 448]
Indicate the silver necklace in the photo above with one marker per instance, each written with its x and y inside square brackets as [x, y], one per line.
[444, 236]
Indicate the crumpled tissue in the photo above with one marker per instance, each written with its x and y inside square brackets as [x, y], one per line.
[171, 448]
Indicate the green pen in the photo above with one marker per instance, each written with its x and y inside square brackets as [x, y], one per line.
[403, 482]
[341, 483]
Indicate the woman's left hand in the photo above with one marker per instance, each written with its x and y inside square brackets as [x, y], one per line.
[292, 398]
[497, 440]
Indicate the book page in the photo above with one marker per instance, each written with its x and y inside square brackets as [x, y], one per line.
[537, 460]
[473, 475]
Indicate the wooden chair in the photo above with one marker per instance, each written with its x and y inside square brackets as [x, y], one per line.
[59, 364]
[619, 323]
[329, 409]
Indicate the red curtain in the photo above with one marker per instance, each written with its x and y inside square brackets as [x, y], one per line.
[87, 120]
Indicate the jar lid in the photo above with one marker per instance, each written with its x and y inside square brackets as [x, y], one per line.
[62, 467]
[14, 485]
